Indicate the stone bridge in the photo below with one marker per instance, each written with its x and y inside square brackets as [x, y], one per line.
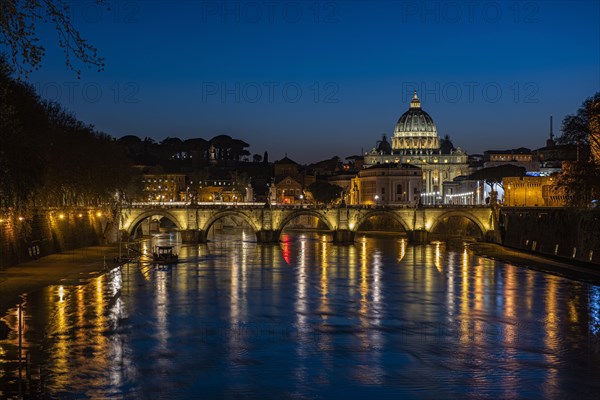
[194, 221]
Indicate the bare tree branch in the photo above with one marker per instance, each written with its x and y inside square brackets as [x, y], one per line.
[19, 22]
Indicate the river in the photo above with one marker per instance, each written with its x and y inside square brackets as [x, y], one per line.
[307, 318]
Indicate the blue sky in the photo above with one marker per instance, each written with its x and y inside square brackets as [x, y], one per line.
[318, 79]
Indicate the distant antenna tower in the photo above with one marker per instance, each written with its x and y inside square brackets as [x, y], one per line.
[551, 134]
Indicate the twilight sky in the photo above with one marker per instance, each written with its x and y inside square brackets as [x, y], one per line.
[318, 79]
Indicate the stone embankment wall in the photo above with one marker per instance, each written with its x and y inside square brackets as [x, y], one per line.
[564, 233]
[49, 231]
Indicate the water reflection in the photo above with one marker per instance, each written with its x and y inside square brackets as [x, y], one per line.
[310, 318]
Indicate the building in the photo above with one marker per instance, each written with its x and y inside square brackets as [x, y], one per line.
[521, 157]
[533, 191]
[164, 187]
[465, 191]
[290, 182]
[416, 142]
[286, 167]
[222, 190]
[389, 184]
[552, 156]
[288, 190]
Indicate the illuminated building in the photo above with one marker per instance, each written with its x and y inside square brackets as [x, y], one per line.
[288, 191]
[222, 190]
[398, 184]
[416, 142]
[464, 191]
[520, 157]
[533, 191]
[164, 187]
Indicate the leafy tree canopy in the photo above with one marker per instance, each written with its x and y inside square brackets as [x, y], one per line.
[325, 192]
[494, 175]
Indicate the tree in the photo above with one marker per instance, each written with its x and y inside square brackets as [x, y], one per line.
[49, 158]
[493, 175]
[581, 182]
[583, 127]
[256, 158]
[22, 141]
[19, 23]
[325, 192]
[581, 179]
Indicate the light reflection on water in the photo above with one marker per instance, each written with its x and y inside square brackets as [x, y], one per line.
[308, 318]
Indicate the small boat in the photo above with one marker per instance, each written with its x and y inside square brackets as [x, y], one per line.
[164, 255]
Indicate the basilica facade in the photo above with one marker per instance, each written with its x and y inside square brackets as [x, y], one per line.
[416, 142]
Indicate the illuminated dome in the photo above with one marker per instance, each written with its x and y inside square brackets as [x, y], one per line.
[415, 129]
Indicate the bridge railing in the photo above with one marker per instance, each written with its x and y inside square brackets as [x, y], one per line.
[254, 205]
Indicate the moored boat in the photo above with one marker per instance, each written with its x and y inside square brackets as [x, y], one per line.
[164, 255]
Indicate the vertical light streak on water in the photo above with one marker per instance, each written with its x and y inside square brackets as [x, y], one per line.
[301, 310]
[511, 286]
[529, 288]
[594, 305]
[60, 346]
[116, 313]
[234, 297]
[363, 313]
[551, 338]
[450, 300]
[161, 304]
[324, 306]
[352, 260]
[364, 285]
[402, 250]
[465, 314]
[438, 257]
[81, 335]
[376, 314]
[100, 326]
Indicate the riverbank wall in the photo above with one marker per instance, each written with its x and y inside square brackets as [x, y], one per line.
[47, 231]
[567, 234]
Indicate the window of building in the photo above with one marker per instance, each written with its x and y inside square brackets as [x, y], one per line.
[399, 189]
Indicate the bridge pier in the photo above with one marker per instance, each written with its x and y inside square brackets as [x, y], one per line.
[343, 236]
[418, 236]
[267, 236]
[193, 236]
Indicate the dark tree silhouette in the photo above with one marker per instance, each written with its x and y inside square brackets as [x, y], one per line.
[324, 192]
[583, 126]
[49, 158]
[493, 175]
[581, 179]
[19, 22]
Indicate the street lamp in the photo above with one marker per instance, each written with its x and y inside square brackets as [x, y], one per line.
[376, 199]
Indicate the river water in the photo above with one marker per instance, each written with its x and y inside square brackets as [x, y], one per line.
[310, 319]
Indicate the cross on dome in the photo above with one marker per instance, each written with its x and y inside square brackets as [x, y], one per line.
[415, 102]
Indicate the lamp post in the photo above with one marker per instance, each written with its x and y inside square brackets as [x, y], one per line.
[376, 200]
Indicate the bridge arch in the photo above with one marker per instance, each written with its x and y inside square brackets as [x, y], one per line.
[459, 213]
[133, 225]
[297, 213]
[225, 213]
[362, 219]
